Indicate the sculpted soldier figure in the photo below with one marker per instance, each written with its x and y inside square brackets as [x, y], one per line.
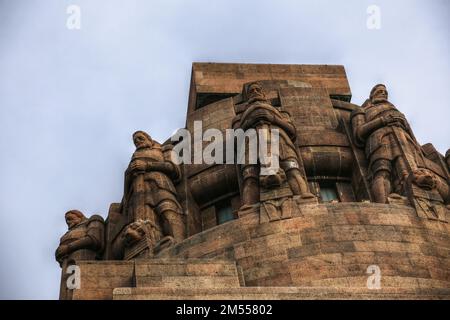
[149, 191]
[384, 131]
[84, 240]
[259, 113]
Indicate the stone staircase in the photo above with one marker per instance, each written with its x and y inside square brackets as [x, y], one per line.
[187, 274]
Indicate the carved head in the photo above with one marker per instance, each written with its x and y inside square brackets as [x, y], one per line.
[74, 218]
[424, 179]
[134, 232]
[379, 93]
[273, 180]
[142, 139]
[255, 92]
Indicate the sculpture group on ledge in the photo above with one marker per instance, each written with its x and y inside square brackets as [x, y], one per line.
[150, 217]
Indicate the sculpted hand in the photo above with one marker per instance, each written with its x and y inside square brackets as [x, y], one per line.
[138, 165]
[389, 119]
[262, 115]
[401, 121]
[259, 116]
[62, 251]
[393, 120]
[246, 124]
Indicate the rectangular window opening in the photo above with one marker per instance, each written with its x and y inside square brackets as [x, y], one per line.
[328, 191]
[224, 212]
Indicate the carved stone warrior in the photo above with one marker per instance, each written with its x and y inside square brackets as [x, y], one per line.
[149, 193]
[84, 240]
[388, 140]
[260, 114]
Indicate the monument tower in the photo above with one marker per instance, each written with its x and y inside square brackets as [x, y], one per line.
[354, 191]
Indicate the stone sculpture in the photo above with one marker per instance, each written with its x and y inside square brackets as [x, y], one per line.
[288, 180]
[149, 190]
[389, 143]
[84, 240]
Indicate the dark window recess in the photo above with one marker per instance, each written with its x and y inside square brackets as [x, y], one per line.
[345, 98]
[203, 99]
[224, 212]
[328, 191]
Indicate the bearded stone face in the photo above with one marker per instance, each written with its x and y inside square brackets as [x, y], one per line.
[255, 92]
[141, 141]
[380, 94]
[72, 220]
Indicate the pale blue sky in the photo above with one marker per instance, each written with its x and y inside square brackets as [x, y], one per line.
[70, 100]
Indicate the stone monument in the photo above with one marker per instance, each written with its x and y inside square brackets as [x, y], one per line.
[353, 191]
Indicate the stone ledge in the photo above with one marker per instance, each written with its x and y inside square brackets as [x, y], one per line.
[278, 293]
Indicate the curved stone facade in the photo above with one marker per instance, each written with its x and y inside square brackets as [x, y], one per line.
[330, 245]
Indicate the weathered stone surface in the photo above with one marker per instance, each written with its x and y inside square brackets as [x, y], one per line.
[307, 250]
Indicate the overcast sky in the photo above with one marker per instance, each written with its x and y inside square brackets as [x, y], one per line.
[70, 99]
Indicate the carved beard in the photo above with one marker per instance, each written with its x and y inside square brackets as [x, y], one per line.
[73, 224]
[256, 97]
[377, 100]
[144, 145]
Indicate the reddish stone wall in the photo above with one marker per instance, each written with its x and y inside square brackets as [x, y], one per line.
[331, 245]
[228, 78]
